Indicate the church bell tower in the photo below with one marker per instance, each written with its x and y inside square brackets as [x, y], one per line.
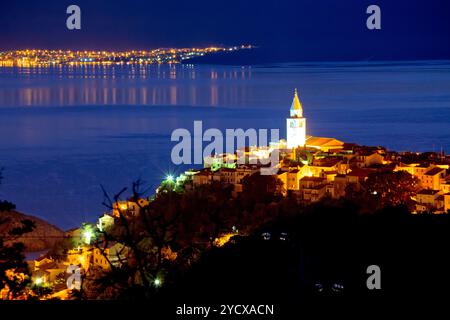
[296, 124]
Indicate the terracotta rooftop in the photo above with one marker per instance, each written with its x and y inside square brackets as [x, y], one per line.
[227, 169]
[366, 153]
[433, 171]
[49, 266]
[318, 187]
[322, 141]
[316, 179]
[204, 172]
[359, 172]
[429, 192]
[326, 163]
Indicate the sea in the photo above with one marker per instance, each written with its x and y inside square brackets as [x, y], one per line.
[70, 134]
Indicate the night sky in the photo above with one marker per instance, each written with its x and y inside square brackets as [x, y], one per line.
[284, 29]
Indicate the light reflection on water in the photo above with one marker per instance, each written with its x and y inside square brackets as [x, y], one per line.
[123, 85]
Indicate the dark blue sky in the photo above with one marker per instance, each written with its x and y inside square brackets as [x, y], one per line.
[284, 29]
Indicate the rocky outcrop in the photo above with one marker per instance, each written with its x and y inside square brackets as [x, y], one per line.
[43, 236]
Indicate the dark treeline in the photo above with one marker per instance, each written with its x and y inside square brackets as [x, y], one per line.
[328, 243]
[284, 249]
[281, 251]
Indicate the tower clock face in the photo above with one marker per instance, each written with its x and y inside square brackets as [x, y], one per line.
[294, 123]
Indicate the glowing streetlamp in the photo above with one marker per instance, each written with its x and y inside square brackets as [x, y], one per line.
[38, 281]
[123, 206]
[87, 235]
[157, 282]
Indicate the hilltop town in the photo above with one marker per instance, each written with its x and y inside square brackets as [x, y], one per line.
[309, 170]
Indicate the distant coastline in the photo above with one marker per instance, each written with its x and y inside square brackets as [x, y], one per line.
[46, 58]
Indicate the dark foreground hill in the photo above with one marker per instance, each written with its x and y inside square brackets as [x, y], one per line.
[43, 236]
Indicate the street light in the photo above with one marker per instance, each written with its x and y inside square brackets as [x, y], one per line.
[87, 235]
[38, 281]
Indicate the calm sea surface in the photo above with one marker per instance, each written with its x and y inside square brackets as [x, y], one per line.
[66, 131]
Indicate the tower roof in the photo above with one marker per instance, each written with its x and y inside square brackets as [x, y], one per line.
[296, 104]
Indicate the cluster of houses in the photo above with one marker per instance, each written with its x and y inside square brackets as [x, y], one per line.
[54, 272]
[312, 172]
[311, 168]
[434, 195]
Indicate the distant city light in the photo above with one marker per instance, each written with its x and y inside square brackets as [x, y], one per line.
[35, 57]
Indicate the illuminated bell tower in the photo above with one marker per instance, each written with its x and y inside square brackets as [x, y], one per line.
[296, 125]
